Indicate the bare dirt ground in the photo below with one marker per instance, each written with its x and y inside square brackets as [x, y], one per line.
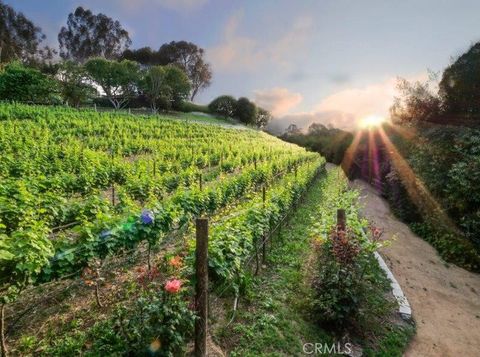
[445, 299]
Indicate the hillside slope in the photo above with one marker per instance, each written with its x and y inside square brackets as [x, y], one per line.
[105, 200]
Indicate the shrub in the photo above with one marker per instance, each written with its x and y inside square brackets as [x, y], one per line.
[224, 105]
[24, 84]
[345, 279]
[245, 111]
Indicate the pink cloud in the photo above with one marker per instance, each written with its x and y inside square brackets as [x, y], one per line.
[347, 108]
[277, 100]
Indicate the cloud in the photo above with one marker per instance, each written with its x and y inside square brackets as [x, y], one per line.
[346, 108]
[277, 100]
[237, 52]
[372, 99]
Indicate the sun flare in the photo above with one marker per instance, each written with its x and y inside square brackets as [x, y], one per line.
[372, 121]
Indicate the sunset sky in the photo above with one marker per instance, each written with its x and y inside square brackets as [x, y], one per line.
[325, 61]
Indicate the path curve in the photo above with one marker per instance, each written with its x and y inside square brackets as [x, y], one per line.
[445, 299]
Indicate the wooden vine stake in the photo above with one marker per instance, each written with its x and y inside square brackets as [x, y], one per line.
[341, 220]
[113, 184]
[201, 288]
[264, 245]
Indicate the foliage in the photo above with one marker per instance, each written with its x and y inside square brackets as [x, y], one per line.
[262, 118]
[91, 35]
[154, 86]
[178, 84]
[61, 183]
[157, 323]
[190, 58]
[224, 105]
[117, 79]
[74, 87]
[452, 151]
[189, 107]
[347, 274]
[331, 143]
[20, 38]
[232, 243]
[415, 103]
[23, 255]
[245, 111]
[241, 109]
[459, 85]
[24, 84]
[186, 55]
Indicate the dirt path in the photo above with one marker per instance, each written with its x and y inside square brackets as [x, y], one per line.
[445, 299]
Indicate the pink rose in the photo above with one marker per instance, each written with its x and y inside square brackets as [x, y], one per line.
[173, 286]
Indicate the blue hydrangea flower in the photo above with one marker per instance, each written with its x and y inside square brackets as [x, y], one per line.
[147, 217]
[105, 234]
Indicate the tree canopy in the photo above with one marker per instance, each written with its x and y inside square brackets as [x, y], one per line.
[190, 58]
[92, 35]
[459, 87]
[224, 105]
[186, 55]
[165, 86]
[20, 38]
[117, 79]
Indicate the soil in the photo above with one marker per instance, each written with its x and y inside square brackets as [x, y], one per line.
[445, 299]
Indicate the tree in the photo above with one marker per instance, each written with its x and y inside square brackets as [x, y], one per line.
[88, 35]
[145, 56]
[20, 39]
[460, 84]
[190, 58]
[178, 84]
[292, 130]
[74, 86]
[415, 103]
[245, 111]
[154, 86]
[117, 79]
[24, 84]
[224, 105]
[263, 117]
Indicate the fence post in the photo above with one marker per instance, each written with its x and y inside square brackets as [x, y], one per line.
[341, 220]
[201, 289]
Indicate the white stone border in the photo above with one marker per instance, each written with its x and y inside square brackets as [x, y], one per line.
[404, 307]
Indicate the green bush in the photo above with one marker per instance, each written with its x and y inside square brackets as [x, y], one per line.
[188, 107]
[158, 323]
[224, 105]
[23, 84]
[345, 277]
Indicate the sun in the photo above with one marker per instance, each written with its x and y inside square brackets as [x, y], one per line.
[371, 121]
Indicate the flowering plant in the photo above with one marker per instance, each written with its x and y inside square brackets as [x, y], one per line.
[173, 286]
